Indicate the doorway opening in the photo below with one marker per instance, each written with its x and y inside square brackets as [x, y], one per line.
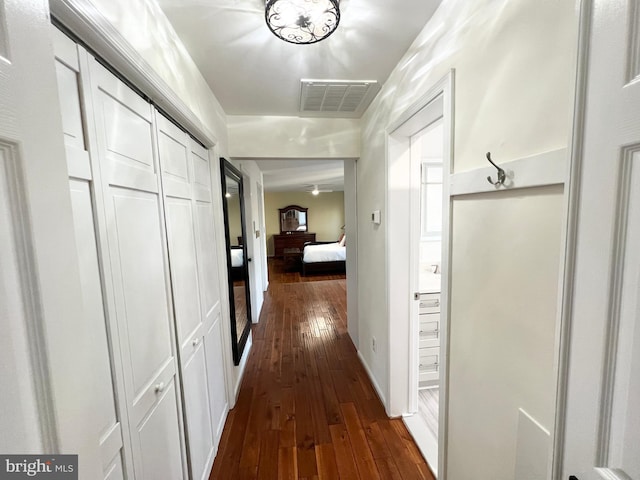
[419, 164]
[427, 159]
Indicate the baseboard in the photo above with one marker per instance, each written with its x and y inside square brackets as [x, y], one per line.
[382, 397]
[242, 367]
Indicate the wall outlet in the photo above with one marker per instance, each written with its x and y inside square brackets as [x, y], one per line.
[373, 345]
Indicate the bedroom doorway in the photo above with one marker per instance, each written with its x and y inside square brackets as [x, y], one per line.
[419, 165]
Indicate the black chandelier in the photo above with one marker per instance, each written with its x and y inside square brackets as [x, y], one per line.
[302, 21]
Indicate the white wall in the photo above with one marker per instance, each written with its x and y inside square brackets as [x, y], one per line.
[513, 97]
[143, 24]
[293, 137]
[503, 316]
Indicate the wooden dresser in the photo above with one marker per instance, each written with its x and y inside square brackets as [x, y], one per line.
[291, 240]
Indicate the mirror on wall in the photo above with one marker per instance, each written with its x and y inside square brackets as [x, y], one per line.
[238, 271]
[293, 219]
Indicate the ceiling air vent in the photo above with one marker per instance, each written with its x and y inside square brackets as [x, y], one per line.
[336, 98]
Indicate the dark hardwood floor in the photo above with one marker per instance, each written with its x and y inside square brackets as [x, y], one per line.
[306, 407]
[288, 271]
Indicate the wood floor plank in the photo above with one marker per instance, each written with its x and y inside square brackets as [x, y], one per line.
[287, 463]
[326, 460]
[361, 451]
[306, 407]
[377, 443]
[388, 469]
[399, 453]
[344, 453]
[287, 418]
[269, 455]
[409, 444]
[426, 472]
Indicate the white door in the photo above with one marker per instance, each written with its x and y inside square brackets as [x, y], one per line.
[210, 300]
[75, 101]
[179, 188]
[23, 150]
[138, 259]
[42, 383]
[602, 438]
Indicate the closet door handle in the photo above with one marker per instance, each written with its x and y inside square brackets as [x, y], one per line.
[159, 388]
[196, 342]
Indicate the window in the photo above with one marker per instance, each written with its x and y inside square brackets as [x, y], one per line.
[431, 198]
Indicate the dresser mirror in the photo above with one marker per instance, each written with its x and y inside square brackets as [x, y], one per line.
[238, 271]
[294, 219]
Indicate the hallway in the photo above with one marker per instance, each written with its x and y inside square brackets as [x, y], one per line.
[307, 408]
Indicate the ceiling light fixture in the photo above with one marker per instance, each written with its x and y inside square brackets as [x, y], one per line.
[315, 190]
[302, 21]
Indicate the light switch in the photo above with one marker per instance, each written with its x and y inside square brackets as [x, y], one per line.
[375, 217]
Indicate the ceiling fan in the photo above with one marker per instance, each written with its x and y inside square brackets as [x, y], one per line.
[314, 190]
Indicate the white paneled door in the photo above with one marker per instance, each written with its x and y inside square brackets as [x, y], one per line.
[99, 365]
[42, 378]
[210, 302]
[187, 198]
[134, 216]
[602, 438]
[142, 202]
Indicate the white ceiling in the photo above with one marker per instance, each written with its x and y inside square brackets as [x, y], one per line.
[252, 72]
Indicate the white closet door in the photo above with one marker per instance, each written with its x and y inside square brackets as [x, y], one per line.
[177, 174]
[209, 287]
[134, 215]
[93, 348]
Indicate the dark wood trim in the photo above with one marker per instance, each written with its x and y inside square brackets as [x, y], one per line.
[297, 208]
[237, 342]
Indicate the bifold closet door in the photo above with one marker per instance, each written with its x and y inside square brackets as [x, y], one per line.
[91, 346]
[139, 263]
[187, 229]
[176, 178]
[210, 301]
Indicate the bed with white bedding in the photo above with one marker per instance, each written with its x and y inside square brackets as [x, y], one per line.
[324, 258]
[237, 262]
[236, 256]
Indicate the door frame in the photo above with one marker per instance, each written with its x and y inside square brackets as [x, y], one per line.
[351, 232]
[403, 372]
[263, 235]
[569, 242]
